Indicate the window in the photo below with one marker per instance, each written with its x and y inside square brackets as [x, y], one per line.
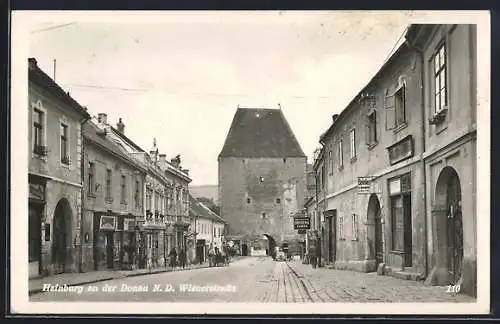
[157, 201]
[124, 188]
[340, 154]
[38, 118]
[137, 195]
[261, 179]
[91, 182]
[264, 215]
[354, 220]
[353, 143]
[278, 200]
[371, 128]
[330, 162]
[440, 80]
[341, 227]
[64, 144]
[400, 208]
[249, 200]
[395, 107]
[109, 174]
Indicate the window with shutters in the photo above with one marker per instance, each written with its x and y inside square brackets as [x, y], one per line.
[400, 208]
[64, 144]
[395, 108]
[371, 128]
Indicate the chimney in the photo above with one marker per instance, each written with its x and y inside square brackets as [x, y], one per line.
[186, 171]
[102, 118]
[176, 162]
[32, 63]
[334, 117]
[154, 151]
[120, 126]
[162, 159]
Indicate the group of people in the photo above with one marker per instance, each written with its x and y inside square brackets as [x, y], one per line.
[182, 258]
[218, 256]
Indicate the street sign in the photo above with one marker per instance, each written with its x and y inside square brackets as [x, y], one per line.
[302, 231]
[301, 223]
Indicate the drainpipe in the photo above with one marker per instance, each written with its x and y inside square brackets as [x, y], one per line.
[82, 177]
[420, 53]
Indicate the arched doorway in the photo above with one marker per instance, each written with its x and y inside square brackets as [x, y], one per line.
[375, 233]
[449, 200]
[271, 245]
[61, 239]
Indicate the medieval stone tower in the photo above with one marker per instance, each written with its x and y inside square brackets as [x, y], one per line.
[262, 180]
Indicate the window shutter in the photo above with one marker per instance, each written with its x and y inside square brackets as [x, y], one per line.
[390, 112]
[367, 131]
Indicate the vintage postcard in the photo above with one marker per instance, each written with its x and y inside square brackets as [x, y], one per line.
[250, 162]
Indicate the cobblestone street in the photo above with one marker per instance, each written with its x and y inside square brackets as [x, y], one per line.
[261, 279]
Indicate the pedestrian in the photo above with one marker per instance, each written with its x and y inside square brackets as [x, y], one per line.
[182, 258]
[211, 255]
[312, 254]
[173, 257]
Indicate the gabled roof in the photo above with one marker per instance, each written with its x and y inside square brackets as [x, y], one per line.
[90, 133]
[41, 79]
[198, 209]
[259, 132]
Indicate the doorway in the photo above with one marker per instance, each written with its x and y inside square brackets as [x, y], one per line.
[332, 236]
[244, 249]
[61, 240]
[449, 196]
[34, 238]
[375, 238]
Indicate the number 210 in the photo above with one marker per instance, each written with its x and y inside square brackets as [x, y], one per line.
[453, 288]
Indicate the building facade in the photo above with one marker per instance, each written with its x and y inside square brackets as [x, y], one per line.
[262, 180]
[449, 107]
[113, 201]
[209, 229]
[54, 175]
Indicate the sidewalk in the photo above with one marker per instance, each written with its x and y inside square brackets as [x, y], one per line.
[75, 279]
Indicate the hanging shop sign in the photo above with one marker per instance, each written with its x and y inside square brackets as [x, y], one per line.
[302, 231]
[37, 191]
[107, 223]
[365, 185]
[301, 223]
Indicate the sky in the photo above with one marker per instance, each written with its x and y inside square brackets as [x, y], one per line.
[181, 77]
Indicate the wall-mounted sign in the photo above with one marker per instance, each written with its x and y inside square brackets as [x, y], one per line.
[301, 223]
[107, 223]
[37, 191]
[402, 150]
[364, 185]
[302, 231]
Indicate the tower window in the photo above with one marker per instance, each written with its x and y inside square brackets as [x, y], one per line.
[278, 200]
[248, 200]
[264, 215]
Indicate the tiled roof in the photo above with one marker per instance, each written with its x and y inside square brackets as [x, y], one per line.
[196, 208]
[90, 133]
[41, 79]
[258, 132]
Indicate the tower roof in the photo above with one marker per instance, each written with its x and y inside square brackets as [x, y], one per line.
[260, 132]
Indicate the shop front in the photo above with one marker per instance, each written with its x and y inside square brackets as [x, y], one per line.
[36, 207]
[114, 245]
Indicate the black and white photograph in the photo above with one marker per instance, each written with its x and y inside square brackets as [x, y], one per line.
[250, 162]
